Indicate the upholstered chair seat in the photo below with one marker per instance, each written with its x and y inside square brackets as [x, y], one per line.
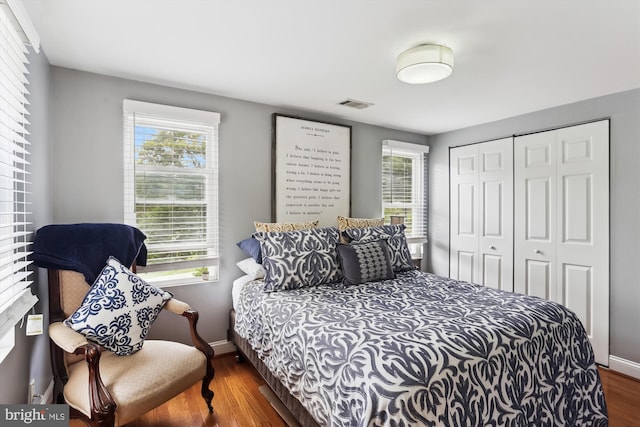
[140, 382]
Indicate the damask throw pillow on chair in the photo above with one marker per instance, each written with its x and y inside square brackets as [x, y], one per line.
[118, 310]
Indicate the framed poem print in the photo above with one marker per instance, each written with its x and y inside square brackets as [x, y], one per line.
[311, 170]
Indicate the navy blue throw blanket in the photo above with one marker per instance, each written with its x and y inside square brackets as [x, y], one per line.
[86, 247]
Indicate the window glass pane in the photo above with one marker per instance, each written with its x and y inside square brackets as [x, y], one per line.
[167, 186]
[397, 179]
[170, 148]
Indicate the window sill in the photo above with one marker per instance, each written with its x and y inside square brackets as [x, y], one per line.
[179, 282]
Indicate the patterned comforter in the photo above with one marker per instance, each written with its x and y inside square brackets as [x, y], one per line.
[424, 350]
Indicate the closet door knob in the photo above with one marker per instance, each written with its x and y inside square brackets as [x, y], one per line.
[492, 248]
[538, 251]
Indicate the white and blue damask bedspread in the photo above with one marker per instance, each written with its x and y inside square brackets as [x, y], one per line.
[423, 350]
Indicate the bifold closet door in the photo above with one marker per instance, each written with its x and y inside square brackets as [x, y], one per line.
[562, 223]
[481, 208]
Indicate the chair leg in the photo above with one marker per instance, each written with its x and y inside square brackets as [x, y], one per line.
[207, 394]
[208, 352]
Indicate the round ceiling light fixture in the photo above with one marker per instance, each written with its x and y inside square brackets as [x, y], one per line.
[425, 63]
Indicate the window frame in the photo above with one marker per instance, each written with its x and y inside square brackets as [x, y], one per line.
[180, 119]
[419, 189]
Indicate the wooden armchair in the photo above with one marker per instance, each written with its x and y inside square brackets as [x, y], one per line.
[104, 389]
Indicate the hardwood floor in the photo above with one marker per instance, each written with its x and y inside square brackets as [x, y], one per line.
[622, 394]
[239, 403]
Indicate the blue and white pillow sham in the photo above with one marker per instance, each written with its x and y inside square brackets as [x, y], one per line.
[298, 259]
[118, 310]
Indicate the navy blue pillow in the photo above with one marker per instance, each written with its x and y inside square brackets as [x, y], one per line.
[252, 247]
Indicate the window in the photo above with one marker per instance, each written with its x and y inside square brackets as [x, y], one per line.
[404, 189]
[171, 189]
[16, 298]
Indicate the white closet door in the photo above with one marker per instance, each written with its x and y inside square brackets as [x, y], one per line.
[463, 182]
[562, 223]
[495, 203]
[535, 215]
[481, 249]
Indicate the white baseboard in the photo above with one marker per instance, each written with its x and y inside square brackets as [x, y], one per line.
[624, 366]
[222, 347]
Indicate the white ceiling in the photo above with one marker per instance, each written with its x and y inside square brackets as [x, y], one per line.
[511, 57]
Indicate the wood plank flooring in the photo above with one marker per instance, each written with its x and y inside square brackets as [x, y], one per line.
[239, 403]
[622, 394]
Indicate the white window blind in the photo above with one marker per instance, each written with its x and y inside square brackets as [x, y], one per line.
[404, 186]
[16, 298]
[171, 188]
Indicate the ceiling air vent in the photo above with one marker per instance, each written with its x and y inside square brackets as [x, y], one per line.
[360, 105]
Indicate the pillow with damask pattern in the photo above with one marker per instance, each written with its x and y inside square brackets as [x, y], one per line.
[118, 310]
[298, 259]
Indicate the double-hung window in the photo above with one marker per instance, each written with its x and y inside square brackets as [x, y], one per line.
[404, 189]
[15, 224]
[171, 189]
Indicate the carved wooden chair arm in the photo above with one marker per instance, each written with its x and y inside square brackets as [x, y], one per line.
[182, 308]
[102, 404]
[66, 338]
[178, 307]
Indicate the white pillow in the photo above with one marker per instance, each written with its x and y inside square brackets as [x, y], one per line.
[251, 268]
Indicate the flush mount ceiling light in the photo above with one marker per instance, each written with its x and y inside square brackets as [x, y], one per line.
[426, 63]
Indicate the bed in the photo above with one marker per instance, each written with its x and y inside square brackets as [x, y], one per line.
[412, 349]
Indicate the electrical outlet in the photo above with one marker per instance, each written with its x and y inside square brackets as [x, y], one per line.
[32, 390]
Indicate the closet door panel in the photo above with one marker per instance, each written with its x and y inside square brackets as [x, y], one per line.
[583, 228]
[537, 209]
[493, 271]
[535, 215]
[536, 280]
[495, 244]
[481, 222]
[578, 293]
[465, 266]
[463, 251]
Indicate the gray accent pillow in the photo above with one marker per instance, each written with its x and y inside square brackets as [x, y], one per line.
[297, 259]
[365, 262]
[394, 234]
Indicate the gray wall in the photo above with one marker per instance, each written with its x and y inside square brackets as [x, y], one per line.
[30, 357]
[624, 111]
[87, 174]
